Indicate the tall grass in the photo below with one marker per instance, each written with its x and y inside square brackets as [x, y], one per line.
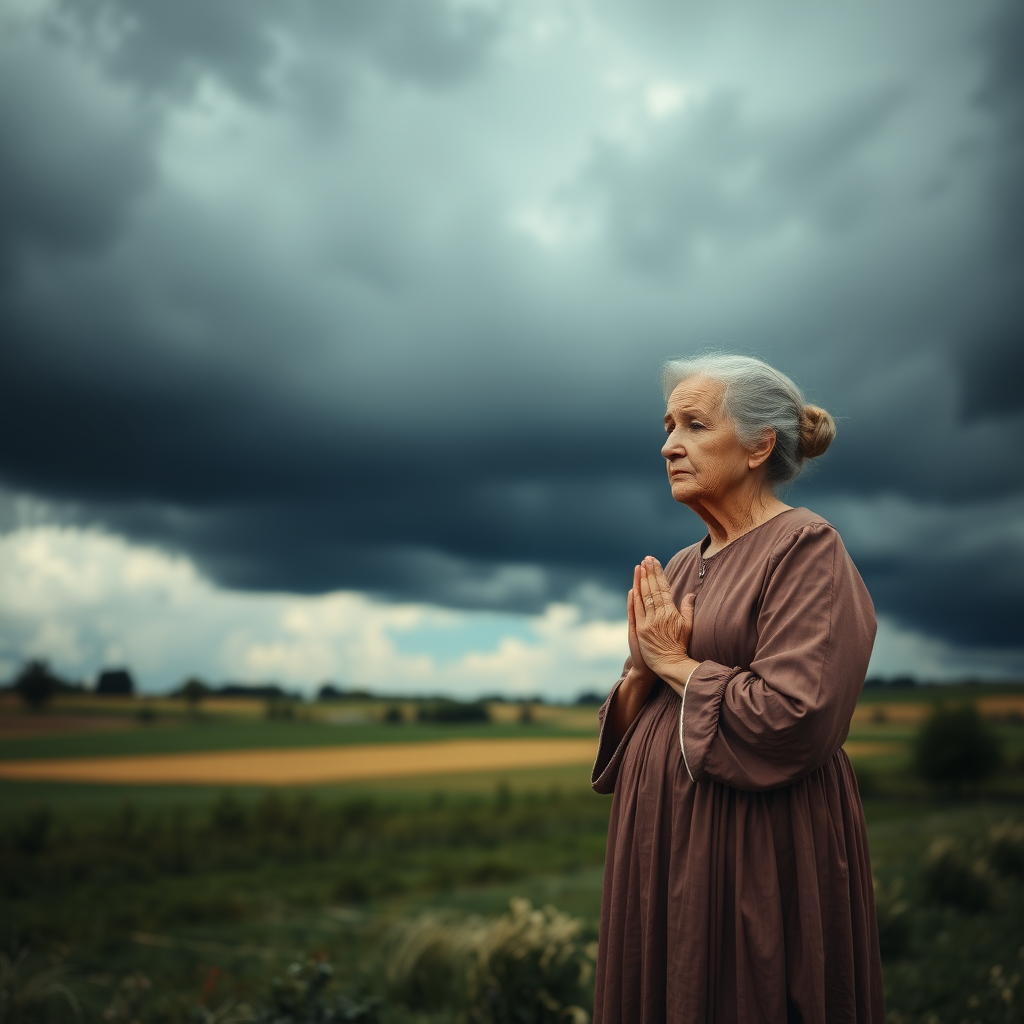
[527, 965]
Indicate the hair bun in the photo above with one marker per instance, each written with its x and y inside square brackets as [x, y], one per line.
[817, 431]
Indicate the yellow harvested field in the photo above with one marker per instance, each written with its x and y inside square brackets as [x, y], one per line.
[326, 764]
[309, 765]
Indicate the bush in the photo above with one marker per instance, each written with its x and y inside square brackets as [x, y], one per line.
[955, 747]
[303, 996]
[528, 965]
[446, 710]
[893, 920]
[32, 993]
[531, 966]
[1006, 848]
[950, 879]
[279, 709]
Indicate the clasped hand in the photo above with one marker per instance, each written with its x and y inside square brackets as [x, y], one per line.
[659, 632]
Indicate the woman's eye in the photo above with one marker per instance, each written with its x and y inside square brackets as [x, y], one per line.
[696, 425]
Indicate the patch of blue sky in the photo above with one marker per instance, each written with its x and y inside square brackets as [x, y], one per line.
[448, 641]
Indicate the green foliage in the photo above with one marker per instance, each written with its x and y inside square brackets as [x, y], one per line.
[36, 684]
[279, 709]
[35, 993]
[955, 747]
[194, 690]
[532, 965]
[362, 848]
[453, 711]
[527, 965]
[1006, 848]
[951, 878]
[304, 996]
[894, 920]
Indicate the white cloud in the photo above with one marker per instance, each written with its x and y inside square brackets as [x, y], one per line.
[85, 600]
[663, 99]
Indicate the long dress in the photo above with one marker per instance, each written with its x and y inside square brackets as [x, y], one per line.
[737, 884]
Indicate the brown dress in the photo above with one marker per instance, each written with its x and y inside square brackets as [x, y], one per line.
[737, 884]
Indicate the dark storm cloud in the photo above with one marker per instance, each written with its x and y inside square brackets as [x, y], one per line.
[725, 179]
[170, 46]
[341, 368]
[991, 357]
[72, 158]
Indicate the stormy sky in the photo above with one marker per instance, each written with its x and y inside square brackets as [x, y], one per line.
[331, 330]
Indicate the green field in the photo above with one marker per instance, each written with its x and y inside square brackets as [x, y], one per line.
[184, 903]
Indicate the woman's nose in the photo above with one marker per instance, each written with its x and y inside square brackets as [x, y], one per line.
[671, 447]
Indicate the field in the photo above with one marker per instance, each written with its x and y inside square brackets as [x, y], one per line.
[214, 850]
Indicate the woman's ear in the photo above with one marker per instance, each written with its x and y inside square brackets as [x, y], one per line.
[762, 449]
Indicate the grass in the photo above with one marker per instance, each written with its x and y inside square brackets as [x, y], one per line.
[164, 903]
[223, 732]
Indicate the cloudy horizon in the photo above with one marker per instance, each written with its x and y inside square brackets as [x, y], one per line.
[332, 331]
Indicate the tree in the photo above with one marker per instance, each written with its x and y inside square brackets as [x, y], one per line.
[955, 746]
[36, 685]
[194, 690]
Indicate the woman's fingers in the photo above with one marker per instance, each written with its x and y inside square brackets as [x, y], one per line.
[658, 593]
[640, 596]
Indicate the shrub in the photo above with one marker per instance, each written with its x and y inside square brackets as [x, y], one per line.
[228, 815]
[303, 996]
[955, 746]
[31, 993]
[527, 965]
[531, 965]
[893, 920]
[279, 709]
[446, 710]
[1006, 848]
[950, 879]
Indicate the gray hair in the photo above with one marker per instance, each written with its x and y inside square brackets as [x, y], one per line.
[758, 398]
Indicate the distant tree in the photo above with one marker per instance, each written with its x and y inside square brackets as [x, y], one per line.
[393, 715]
[194, 690]
[956, 747]
[903, 683]
[452, 711]
[36, 684]
[115, 682]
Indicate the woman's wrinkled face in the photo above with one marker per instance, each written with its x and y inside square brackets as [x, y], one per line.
[705, 461]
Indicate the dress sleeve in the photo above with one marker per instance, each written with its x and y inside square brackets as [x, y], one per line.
[609, 756]
[786, 714]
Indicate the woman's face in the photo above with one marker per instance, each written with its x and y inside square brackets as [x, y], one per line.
[705, 461]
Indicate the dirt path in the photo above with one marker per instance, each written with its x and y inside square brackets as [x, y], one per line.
[322, 764]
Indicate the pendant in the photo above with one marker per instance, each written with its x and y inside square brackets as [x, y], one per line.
[703, 568]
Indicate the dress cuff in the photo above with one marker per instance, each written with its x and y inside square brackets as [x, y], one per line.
[698, 714]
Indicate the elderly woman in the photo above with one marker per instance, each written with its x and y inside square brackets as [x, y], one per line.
[737, 882]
